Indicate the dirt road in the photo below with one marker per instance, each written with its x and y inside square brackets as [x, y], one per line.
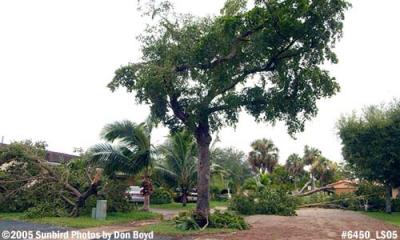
[316, 224]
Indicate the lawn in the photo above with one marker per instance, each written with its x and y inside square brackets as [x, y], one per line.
[189, 206]
[168, 228]
[393, 218]
[84, 221]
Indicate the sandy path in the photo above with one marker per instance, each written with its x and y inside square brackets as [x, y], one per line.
[309, 224]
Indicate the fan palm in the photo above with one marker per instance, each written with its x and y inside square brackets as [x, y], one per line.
[311, 157]
[128, 151]
[264, 155]
[295, 167]
[324, 170]
[178, 165]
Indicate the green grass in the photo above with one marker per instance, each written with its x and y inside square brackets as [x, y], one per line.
[84, 221]
[393, 218]
[168, 228]
[178, 206]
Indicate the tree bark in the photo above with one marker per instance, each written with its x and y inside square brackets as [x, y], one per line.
[203, 139]
[80, 202]
[388, 198]
[184, 199]
[325, 188]
[146, 202]
[146, 191]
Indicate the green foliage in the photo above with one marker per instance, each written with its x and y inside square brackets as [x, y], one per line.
[115, 196]
[235, 169]
[396, 205]
[186, 221]
[132, 153]
[198, 73]
[268, 201]
[161, 196]
[373, 194]
[218, 219]
[347, 201]
[227, 220]
[199, 67]
[264, 155]
[371, 142]
[22, 182]
[47, 209]
[177, 166]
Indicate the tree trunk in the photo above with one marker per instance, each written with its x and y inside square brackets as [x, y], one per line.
[92, 190]
[146, 202]
[325, 188]
[146, 191]
[184, 199]
[388, 198]
[312, 182]
[80, 202]
[203, 139]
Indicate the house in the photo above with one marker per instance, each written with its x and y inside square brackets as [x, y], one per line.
[344, 186]
[54, 157]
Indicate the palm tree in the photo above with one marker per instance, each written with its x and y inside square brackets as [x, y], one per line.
[264, 155]
[178, 165]
[324, 170]
[128, 151]
[311, 157]
[295, 167]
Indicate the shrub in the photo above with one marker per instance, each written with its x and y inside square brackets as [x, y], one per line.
[396, 205]
[188, 221]
[46, 209]
[227, 220]
[116, 198]
[161, 196]
[268, 201]
[347, 200]
[373, 193]
[243, 204]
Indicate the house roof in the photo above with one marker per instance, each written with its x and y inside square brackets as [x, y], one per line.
[345, 183]
[58, 157]
[54, 157]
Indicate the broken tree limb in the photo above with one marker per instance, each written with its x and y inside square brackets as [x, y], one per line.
[325, 188]
[305, 186]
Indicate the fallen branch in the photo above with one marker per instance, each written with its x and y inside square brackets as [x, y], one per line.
[325, 188]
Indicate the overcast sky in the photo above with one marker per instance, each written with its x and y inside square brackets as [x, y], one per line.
[56, 58]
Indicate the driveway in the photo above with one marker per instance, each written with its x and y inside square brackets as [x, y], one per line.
[309, 224]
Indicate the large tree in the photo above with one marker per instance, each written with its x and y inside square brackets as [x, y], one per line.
[130, 155]
[371, 145]
[200, 72]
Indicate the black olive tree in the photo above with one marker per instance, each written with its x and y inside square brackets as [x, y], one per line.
[199, 73]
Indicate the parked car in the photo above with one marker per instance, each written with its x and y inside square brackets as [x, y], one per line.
[192, 197]
[134, 194]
